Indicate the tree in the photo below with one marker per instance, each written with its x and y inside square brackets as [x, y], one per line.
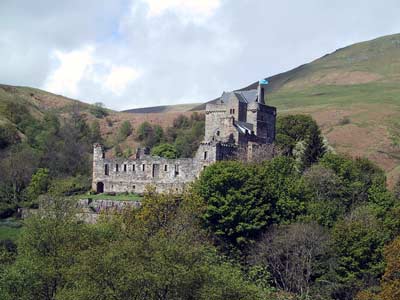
[165, 150]
[46, 250]
[293, 254]
[242, 200]
[39, 184]
[17, 170]
[291, 129]
[390, 283]
[95, 134]
[181, 122]
[357, 176]
[98, 110]
[8, 136]
[325, 204]
[124, 131]
[118, 151]
[315, 147]
[358, 242]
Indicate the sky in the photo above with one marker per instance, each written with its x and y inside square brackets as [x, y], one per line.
[138, 53]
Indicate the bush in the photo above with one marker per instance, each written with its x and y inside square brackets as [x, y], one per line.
[165, 150]
[98, 110]
[8, 136]
[70, 186]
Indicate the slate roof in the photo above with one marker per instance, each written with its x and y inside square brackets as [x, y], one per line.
[243, 127]
[247, 96]
[243, 96]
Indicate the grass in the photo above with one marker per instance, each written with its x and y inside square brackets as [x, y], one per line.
[10, 229]
[371, 93]
[118, 197]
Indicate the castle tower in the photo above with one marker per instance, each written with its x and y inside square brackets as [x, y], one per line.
[98, 165]
[262, 85]
[98, 152]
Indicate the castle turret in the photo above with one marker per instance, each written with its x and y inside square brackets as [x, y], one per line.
[98, 152]
[262, 85]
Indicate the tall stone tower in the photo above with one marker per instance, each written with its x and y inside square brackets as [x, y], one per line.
[98, 164]
[262, 117]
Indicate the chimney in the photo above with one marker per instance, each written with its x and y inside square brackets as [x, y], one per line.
[262, 84]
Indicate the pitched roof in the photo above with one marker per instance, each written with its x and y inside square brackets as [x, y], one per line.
[244, 127]
[247, 96]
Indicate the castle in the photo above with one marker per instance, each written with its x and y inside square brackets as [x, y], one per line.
[237, 120]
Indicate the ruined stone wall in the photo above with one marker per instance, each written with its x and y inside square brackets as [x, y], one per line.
[124, 175]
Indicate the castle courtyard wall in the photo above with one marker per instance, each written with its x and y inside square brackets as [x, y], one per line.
[133, 176]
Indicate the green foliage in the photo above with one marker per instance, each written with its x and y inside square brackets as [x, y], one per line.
[149, 135]
[358, 243]
[357, 177]
[98, 110]
[16, 112]
[70, 186]
[46, 249]
[326, 204]
[155, 252]
[391, 281]
[127, 153]
[315, 147]
[8, 135]
[39, 184]
[185, 134]
[165, 150]
[95, 134]
[124, 131]
[242, 200]
[293, 129]
[118, 151]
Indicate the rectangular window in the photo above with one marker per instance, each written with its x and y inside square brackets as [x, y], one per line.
[166, 168]
[143, 167]
[205, 155]
[116, 167]
[156, 170]
[124, 168]
[133, 168]
[106, 171]
[176, 170]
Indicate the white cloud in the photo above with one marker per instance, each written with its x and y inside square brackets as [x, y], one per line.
[72, 68]
[119, 78]
[82, 67]
[195, 10]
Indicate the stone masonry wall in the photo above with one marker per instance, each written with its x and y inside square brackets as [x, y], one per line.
[127, 175]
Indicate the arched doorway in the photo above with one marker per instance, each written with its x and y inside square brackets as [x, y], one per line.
[100, 187]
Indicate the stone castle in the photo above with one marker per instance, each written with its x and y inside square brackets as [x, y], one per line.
[237, 120]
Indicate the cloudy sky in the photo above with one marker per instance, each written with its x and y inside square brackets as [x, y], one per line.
[136, 53]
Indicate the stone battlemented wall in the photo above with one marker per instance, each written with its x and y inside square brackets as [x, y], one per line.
[132, 176]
